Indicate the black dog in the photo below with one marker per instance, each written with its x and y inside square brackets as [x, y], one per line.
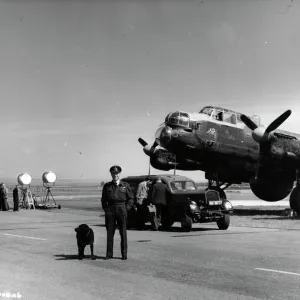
[85, 236]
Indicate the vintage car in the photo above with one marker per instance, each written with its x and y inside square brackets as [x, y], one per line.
[185, 203]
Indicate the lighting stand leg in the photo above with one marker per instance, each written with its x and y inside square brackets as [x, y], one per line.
[49, 196]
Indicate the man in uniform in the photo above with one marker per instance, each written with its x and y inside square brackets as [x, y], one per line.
[117, 199]
[159, 199]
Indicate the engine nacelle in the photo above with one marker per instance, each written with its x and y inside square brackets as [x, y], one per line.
[270, 189]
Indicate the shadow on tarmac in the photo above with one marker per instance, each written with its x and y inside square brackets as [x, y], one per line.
[253, 212]
[171, 229]
[74, 256]
[277, 218]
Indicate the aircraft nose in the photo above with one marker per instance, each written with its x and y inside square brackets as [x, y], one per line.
[163, 135]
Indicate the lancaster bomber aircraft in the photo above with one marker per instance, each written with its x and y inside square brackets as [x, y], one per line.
[216, 141]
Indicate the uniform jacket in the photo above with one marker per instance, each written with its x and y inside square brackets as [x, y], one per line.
[159, 193]
[113, 194]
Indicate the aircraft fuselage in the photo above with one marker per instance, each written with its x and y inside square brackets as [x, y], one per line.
[224, 146]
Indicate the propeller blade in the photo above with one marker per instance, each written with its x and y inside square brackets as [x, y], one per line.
[153, 146]
[276, 123]
[149, 150]
[262, 134]
[248, 122]
[142, 142]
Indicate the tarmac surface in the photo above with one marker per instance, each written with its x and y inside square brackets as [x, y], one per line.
[39, 259]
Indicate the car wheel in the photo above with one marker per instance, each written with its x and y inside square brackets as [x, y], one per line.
[166, 224]
[224, 222]
[187, 224]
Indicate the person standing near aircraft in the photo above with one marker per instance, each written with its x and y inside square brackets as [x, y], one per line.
[159, 199]
[142, 195]
[3, 197]
[16, 198]
[117, 199]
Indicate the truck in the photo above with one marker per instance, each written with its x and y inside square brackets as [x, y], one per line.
[185, 203]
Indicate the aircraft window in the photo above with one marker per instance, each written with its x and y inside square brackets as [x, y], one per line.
[233, 119]
[173, 120]
[217, 115]
[167, 117]
[227, 117]
[184, 121]
[184, 115]
[206, 111]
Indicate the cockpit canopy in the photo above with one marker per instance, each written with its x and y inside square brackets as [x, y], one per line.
[225, 115]
[183, 119]
[178, 118]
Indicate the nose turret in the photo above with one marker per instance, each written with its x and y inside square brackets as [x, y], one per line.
[178, 119]
[163, 135]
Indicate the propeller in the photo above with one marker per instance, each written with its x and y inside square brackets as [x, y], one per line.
[262, 134]
[149, 150]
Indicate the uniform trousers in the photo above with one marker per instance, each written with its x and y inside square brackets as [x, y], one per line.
[116, 215]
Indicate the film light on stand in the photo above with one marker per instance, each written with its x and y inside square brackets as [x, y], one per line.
[26, 199]
[24, 179]
[49, 179]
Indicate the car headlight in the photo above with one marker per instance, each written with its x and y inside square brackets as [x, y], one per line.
[227, 205]
[193, 205]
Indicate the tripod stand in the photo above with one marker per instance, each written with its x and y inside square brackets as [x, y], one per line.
[47, 197]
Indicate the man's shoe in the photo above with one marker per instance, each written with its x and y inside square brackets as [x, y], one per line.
[124, 257]
[107, 257]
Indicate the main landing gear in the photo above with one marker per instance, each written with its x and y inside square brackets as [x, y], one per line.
[295, 196]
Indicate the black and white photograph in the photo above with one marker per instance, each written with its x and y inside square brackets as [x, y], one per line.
[150, 149]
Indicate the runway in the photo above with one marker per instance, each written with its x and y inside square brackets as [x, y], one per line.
[39, 260]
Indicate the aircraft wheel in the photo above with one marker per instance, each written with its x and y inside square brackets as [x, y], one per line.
[59, 207]
[224, 222]
[295, 200]
[186, 224]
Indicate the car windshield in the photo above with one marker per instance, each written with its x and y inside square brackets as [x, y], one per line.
[183, 185]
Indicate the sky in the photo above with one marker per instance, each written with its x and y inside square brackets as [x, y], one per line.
[81, 81]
